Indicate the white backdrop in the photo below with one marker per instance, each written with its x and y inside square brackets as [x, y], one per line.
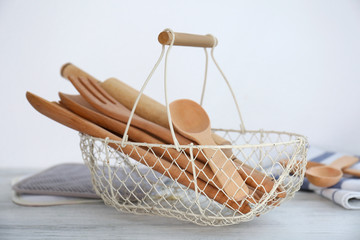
[294, 65]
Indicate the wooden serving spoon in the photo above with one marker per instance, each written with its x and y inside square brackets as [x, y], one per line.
[191, 120]
[69, 119]
[326, 176]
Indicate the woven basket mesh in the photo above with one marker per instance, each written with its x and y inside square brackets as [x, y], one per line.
[191, 194]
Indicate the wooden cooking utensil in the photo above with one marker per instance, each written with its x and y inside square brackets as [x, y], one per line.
[252, 177]
[102, 101]
[67, 118]
[81, 107]
[329, 175]
[310, 164]
[191, 120]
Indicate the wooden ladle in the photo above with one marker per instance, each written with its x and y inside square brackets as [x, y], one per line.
[191, 120]
[326, 176]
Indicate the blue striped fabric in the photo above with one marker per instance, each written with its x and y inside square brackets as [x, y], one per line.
[322, 157]
[346, 192]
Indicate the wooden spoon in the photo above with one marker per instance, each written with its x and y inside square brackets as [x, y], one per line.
[310, 164]
[191, 120]
[67, 118]
[326, 176]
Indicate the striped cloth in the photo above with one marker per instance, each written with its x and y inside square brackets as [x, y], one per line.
[346, 193]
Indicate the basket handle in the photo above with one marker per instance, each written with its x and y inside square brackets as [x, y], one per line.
[186, 39]
[189, 43]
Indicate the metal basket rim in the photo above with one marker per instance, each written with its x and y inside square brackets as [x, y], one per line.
[299, 139]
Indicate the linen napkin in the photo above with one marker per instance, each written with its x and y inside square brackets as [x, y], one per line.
[345, 193]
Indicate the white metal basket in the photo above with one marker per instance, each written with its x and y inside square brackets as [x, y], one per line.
[272, 163]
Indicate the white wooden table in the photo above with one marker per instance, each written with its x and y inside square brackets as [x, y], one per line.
[307, 216]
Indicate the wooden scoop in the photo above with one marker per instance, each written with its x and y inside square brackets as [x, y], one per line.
[67, 118]
[326, 176]
[191, 120]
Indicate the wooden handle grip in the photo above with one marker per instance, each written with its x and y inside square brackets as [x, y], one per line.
[186, 39]
[68, 69]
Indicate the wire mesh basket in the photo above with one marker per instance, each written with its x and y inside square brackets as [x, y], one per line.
[176, 180]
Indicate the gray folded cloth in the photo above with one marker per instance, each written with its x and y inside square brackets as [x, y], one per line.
[74, 180]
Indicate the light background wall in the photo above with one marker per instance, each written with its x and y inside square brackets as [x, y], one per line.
[294, 65]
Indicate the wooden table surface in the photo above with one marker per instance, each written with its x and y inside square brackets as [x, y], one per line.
[307, 216]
